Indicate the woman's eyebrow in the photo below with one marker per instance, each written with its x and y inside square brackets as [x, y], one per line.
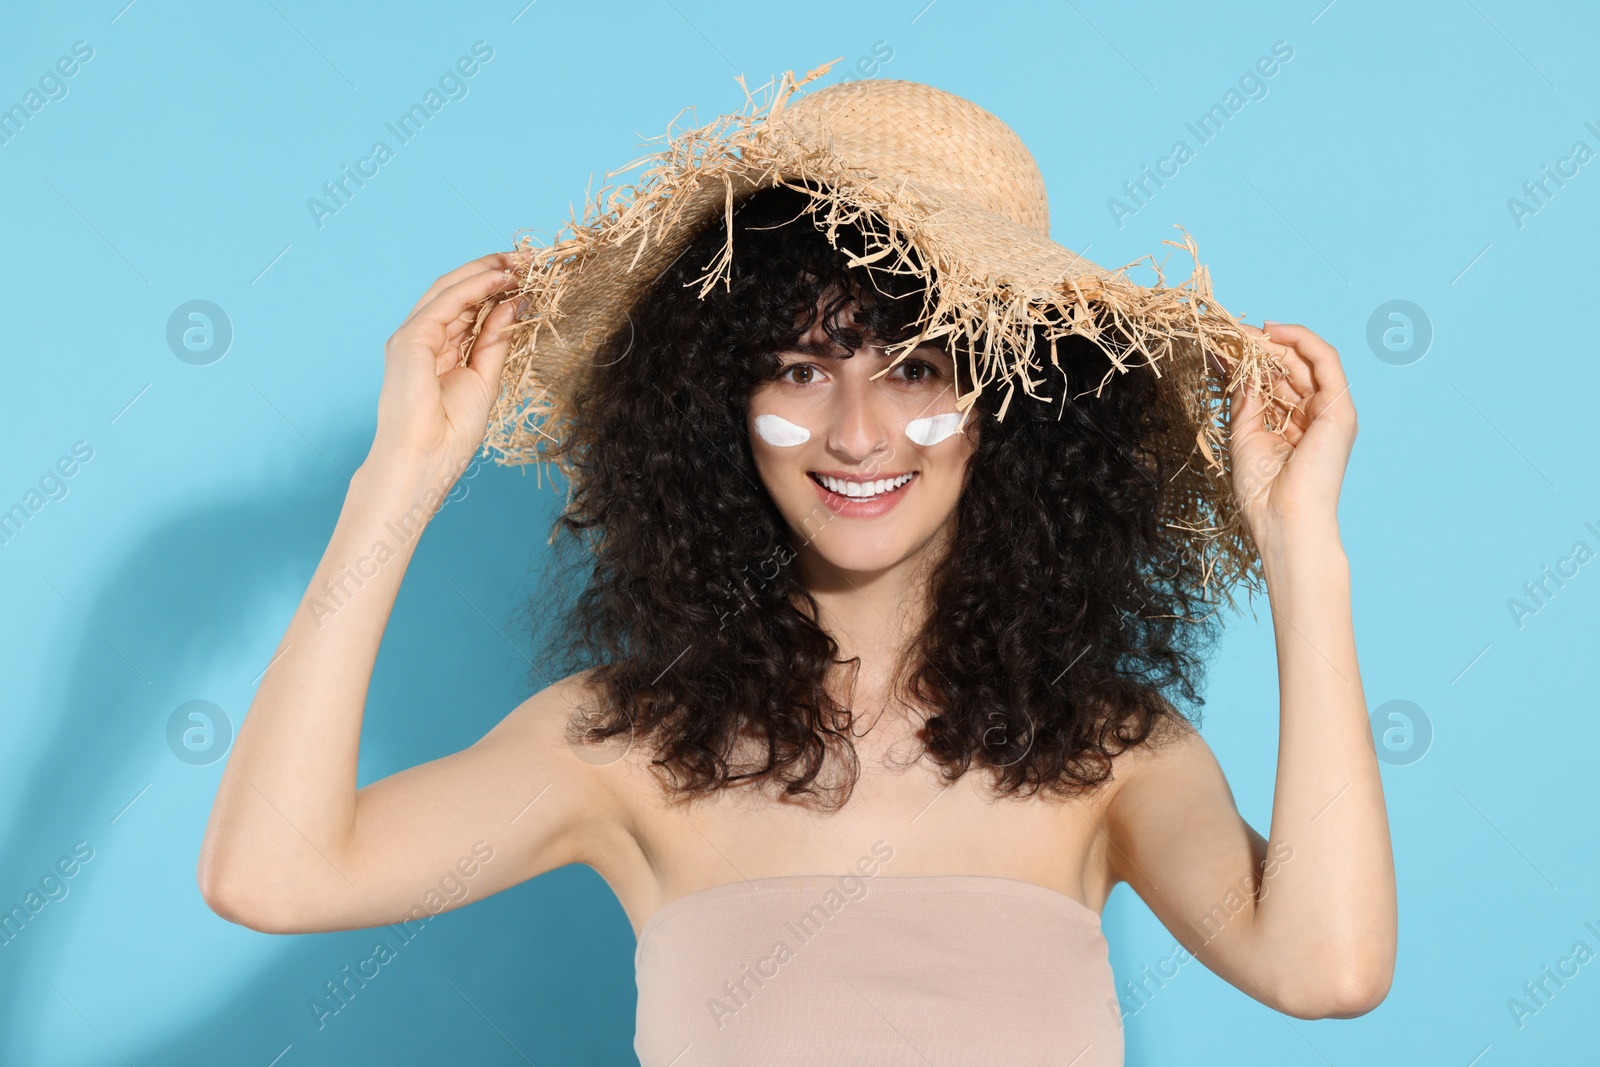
[827, 350]
[814, 349]
[820, 349]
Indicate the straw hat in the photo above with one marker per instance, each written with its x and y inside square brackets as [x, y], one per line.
[939, 182]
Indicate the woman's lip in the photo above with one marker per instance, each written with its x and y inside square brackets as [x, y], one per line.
[855, 507]
[857, 476]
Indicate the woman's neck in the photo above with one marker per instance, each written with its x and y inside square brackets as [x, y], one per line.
[873, 614]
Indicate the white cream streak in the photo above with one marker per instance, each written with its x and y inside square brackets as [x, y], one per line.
[934, 428]
[775, 430]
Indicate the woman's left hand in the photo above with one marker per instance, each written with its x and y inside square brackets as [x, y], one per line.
[1292, 480]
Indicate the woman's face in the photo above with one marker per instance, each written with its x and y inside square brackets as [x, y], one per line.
[866, 472]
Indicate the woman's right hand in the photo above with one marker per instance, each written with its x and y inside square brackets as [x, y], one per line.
[432, 413]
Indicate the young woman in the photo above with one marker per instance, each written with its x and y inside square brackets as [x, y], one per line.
[879, 704]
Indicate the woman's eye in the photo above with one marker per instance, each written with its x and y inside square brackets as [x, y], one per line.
[797, 368]
[917, 370]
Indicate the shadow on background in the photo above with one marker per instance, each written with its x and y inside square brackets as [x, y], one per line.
[539, 973]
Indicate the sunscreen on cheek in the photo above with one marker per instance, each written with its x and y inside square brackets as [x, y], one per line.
[934, 428]
[775, 430]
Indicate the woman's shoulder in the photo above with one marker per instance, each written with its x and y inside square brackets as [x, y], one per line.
[1173, 772]
[548, 710]
[606, 774]
[557, 715]
[1172, 742]
[563, 715]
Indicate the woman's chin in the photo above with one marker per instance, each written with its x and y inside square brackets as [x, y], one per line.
[859, 552]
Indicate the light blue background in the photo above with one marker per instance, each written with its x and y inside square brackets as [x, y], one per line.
[1377, 167]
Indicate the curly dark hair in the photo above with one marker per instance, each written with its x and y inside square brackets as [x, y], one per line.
[1063, 616]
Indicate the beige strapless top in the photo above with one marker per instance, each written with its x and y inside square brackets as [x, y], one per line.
[919, 970]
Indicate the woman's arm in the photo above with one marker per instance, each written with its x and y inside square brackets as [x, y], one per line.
[291, 844]
[1304, 920]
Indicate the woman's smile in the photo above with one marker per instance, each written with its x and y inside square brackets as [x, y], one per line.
[859, 497]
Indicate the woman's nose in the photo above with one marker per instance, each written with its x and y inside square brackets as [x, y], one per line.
[861, 420]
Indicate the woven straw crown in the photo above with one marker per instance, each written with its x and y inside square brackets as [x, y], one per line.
[938, 184]
[946, 147]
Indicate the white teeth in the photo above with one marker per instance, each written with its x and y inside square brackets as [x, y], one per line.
[863, 490]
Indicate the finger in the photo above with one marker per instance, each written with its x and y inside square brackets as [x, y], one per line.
[1294, 382]
[1298, 370]
[1327, 372]
[1280, 397]
[1263, 341]
[456, 300]
[1244, 408]
[488, 355]
[466, 322]
[1256, 411]
[1294, 389]
[492, 261]
[470, 332]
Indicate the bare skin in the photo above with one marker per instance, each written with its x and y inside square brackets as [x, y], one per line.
[1308, 912]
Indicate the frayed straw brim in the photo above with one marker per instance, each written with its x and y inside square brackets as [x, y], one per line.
[937, 183]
